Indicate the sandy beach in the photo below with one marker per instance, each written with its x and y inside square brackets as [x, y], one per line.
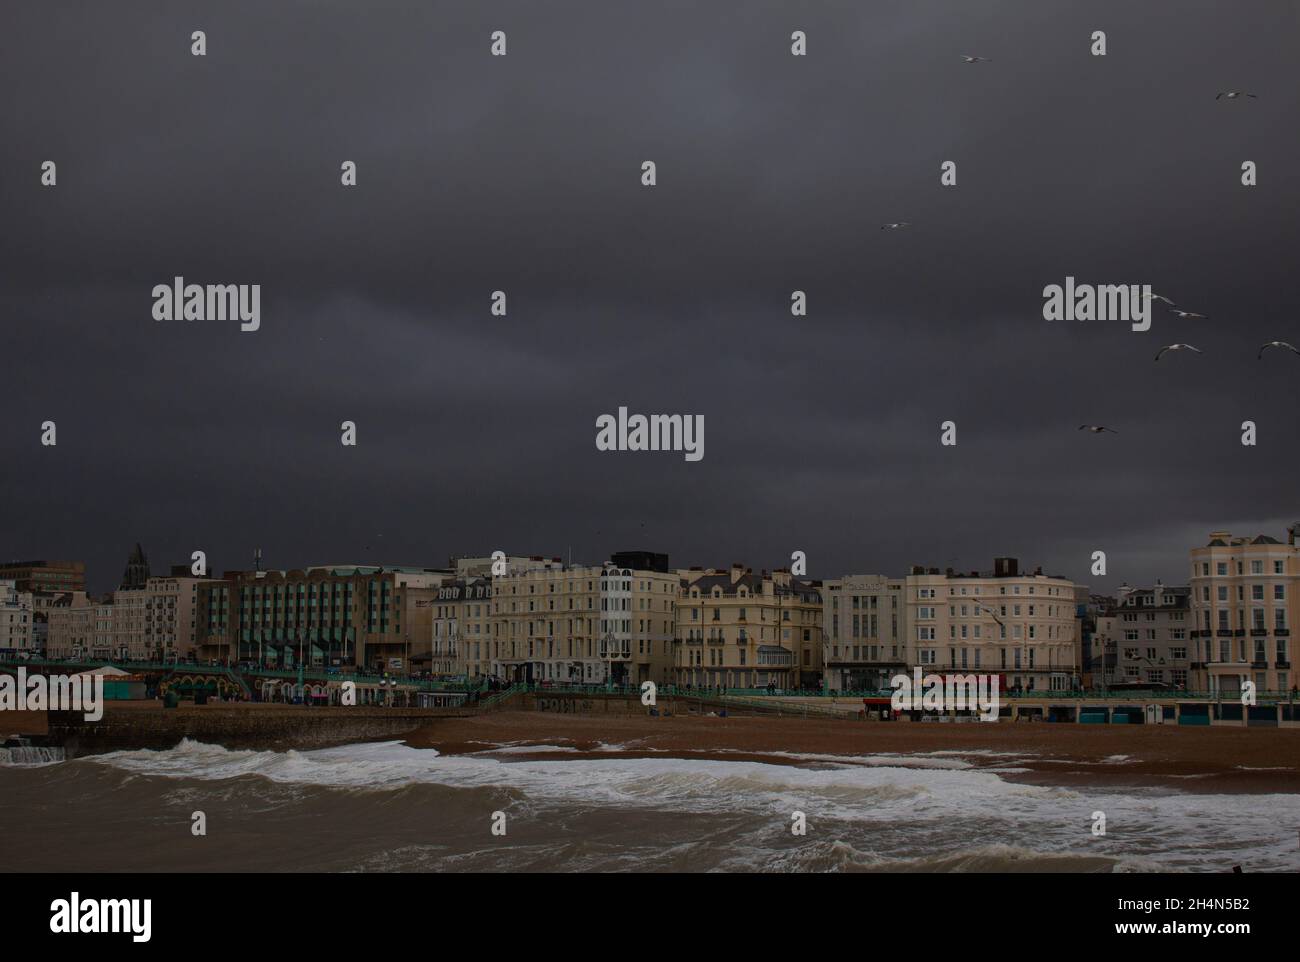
[1209, 760]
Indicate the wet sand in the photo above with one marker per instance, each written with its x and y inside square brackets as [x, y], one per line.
[1187, 759]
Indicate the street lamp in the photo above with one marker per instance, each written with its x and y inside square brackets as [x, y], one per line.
[607, 653]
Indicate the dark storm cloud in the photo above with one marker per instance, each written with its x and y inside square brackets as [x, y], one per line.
[522, 173]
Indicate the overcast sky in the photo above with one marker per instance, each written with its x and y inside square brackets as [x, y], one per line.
[522, 173]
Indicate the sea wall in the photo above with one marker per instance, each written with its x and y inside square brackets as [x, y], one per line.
[137, 725]
[604, 703]
[571, 704]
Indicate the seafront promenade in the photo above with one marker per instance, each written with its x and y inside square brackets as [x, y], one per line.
[162, 704]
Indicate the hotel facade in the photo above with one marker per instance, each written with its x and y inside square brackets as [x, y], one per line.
[590, 625]
[866, 632]
[16, 619]
[156, 622]
[736, 629]
[462, 629]
[1023, 627]
[370, 618]
[1243, 605]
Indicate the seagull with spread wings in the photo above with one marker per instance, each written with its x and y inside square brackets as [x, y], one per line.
[1235, 94]
[966, 58]
[1178, 347]
[1186, 314]
[1289, 347]
[1096, 428]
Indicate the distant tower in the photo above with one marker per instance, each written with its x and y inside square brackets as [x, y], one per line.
[257, 559]
[137, 569]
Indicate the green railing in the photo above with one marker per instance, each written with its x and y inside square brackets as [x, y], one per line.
[762, 696]
[497, 698]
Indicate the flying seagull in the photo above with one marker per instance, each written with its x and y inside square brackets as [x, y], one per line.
[1186, 314]
[966, 59]
[1096, 428]
[1234, 94]
[1158, 297]
[1289, 347]
[1178, 347]
[895, 226]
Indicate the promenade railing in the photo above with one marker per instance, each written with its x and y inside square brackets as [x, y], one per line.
[498, 697]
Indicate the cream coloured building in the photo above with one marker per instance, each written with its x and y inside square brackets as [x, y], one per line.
[1243, 606]
[864, 618]
[1020, 626]
[15, 619]
[156, 622]
[590, 625]
[170, 631]
[462, 628]
[736, 629]
[71, 628]
[120, 624]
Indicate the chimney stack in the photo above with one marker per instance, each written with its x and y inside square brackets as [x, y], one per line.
[1006, 567]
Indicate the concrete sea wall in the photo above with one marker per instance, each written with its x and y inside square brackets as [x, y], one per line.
[137, 725]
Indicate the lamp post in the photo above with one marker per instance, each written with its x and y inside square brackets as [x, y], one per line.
[301, 690]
